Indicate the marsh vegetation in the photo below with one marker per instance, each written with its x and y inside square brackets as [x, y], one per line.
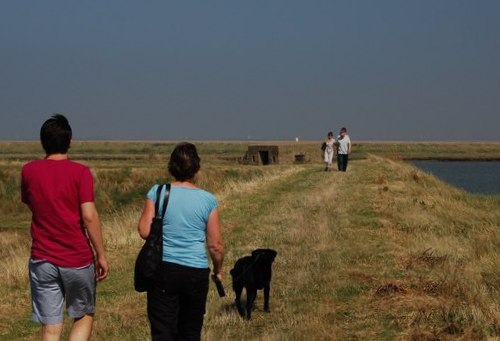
[382, 252]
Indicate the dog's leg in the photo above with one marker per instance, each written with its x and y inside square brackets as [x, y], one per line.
[237, 300]
[267, 289]
[251, 295]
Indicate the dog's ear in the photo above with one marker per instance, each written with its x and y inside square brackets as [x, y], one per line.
[257, 252]
[268, 254]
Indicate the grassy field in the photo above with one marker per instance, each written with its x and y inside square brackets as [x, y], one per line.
[382, 252]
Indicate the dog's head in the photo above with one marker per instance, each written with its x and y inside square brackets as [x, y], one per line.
[267, 255]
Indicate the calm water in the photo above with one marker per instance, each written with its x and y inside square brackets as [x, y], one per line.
[474, 176]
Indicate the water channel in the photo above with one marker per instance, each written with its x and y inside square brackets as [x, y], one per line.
[482, 177]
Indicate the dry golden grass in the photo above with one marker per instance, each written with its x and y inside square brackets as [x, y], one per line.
[382, 252]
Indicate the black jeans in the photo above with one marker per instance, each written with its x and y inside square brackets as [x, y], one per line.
[342, 160]
[176, 303]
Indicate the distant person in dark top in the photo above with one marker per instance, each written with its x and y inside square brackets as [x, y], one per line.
[343, 149]
[62, 267]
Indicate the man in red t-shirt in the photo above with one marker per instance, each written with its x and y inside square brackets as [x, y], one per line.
[65, 231]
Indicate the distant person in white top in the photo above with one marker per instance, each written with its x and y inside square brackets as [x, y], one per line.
[343, 149]
[328, 151]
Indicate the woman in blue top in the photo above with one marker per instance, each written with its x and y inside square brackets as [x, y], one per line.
[176, 303]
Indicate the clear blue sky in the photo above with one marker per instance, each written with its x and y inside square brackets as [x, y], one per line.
[387, 70]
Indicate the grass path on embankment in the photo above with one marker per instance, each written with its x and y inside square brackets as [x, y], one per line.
[325, 238]
[326, 241]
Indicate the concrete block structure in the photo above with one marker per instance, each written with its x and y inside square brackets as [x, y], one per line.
[262, 155]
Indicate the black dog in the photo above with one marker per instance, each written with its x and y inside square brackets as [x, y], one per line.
[253, 273]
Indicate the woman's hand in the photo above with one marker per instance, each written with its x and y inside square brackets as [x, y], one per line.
[218, 276]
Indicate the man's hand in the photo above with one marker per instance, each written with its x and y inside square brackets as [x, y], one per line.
[101, 269]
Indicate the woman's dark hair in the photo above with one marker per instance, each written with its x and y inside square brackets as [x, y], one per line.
[55, 135]
[184, 161]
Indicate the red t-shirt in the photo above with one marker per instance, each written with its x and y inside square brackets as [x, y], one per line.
[54, 191]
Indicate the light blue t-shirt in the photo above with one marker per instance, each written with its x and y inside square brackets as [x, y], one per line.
[185, 225]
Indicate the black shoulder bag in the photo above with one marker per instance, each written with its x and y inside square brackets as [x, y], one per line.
[150, 256]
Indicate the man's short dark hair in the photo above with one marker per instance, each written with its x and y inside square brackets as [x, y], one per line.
[55, 135]
[184, 161]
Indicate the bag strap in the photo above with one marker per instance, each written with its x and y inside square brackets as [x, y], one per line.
[157, 203]
[165, 200]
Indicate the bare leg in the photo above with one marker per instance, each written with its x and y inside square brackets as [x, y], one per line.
[51, 332]
[82, 328]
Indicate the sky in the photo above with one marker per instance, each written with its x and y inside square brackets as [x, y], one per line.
[249, 70]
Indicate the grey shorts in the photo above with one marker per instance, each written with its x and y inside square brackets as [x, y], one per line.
[51, 285]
